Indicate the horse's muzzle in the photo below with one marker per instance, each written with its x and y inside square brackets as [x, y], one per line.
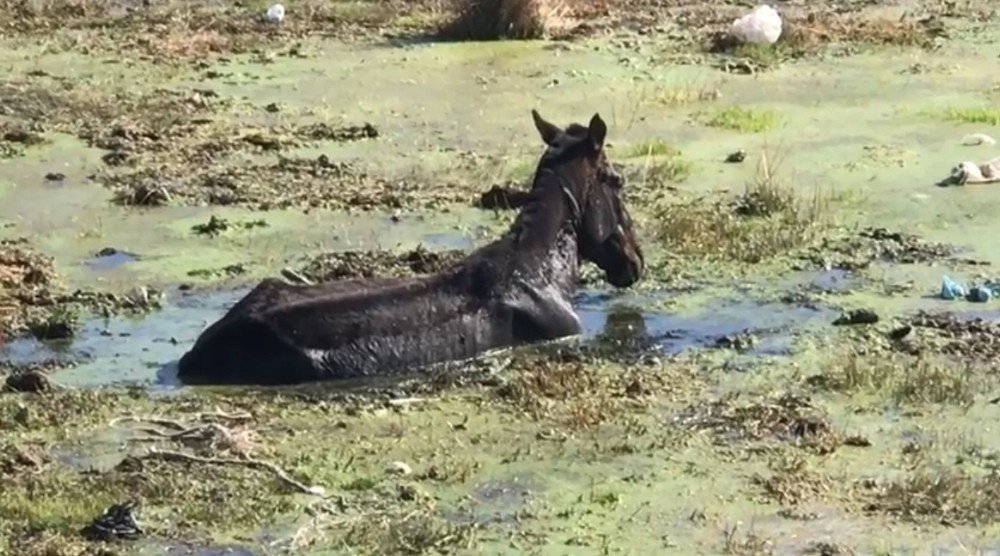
[630, 272]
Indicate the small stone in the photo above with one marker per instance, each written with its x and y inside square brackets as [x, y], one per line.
[399, 468]
[273, 107]
[55, 176]
[735, 157]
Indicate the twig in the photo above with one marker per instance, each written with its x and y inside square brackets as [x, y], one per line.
[401, 402]
[170, 455]
[163, 422]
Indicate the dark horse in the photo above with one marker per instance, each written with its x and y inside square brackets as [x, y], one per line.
[514, 291]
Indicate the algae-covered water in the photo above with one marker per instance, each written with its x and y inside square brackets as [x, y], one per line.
[715, 408]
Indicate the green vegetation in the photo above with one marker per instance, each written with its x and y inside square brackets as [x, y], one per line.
[738, 118]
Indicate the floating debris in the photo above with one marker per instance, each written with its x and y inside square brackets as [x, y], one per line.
[974, 139]
[982, 293]
[972, 172]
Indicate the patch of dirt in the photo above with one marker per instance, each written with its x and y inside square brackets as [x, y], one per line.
[169, 32]
[785, 418]
[578, 389]
[383, 263]
[791, 482]
[20, 459]
[32, 299]
[965, 338]
[874, 245]
[286, 183]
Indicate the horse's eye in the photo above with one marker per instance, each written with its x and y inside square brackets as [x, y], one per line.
[614, 179]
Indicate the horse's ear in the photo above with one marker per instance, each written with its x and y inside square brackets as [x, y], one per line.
[598, 131]
[547, 130]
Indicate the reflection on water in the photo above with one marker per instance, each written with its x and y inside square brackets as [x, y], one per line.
[144, 351]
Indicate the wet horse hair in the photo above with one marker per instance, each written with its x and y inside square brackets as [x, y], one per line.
[516, 290]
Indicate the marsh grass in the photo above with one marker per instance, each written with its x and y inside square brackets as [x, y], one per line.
[979, 115]
[767, 220]
[651, 148]
[933, 495]
[738, 118]
[900, 378]
[738, 542]
[685, 95]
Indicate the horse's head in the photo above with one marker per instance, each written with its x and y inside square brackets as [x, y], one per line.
[592, 187]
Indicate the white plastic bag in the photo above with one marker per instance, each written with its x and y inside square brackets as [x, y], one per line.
[276, 13]
[761, 26]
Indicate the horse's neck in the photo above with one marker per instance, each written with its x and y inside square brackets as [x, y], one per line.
[542, 238]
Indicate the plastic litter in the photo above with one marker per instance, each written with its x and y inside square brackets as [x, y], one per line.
[979, 294]
[761, 26]
[951, 289]
[982, 293]
[971, 172]
[276, 13]
[974, 139]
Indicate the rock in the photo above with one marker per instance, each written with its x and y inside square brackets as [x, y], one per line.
[857, 316]
[900, 333]
[761, 26]
[399, 468]
[55, 176]
[736, 157]
[978, 139]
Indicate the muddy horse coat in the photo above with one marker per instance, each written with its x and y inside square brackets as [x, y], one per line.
[516, 290]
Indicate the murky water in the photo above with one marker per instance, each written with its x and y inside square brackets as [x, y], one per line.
[110, 259]
[144, 351]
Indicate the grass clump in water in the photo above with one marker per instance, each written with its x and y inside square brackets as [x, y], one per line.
[768, 219]
[982, 115]
[743, 120]
[682, 96]
[947, 496]
[903, 379]
[652, 147]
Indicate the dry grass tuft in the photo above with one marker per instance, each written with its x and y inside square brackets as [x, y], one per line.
[786, 418]
[792, 482]
[816, 29]
[949, 497]
[901, 378]
[480, 20]
[578, 393]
